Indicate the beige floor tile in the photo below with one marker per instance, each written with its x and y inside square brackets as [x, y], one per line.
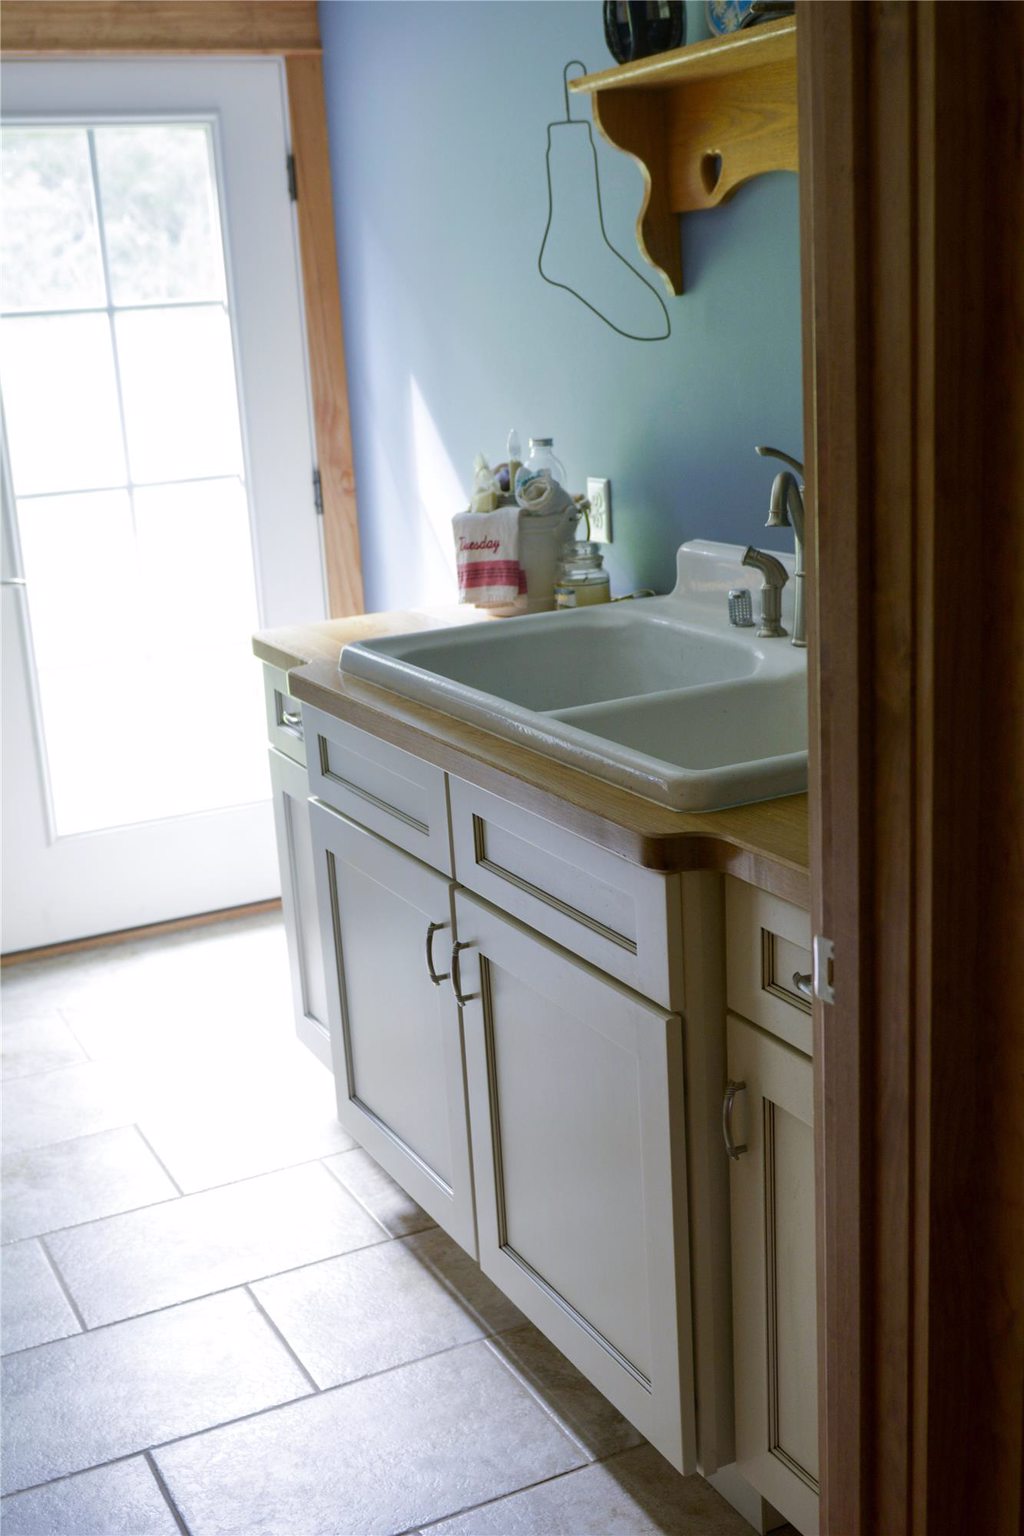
[38, 1044]
[584, 1412]
[383, 1307]
[33, 1308]
[89, 1399]
[120, 1500]
[635, 1494]
[81, 1180]
[61, 1105]
[202, 1243]
[380, 1456]
[383, 1198]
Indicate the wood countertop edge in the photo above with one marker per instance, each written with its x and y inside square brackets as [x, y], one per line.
[763, 844]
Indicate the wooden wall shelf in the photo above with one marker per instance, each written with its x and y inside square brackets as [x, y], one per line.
[700, 121]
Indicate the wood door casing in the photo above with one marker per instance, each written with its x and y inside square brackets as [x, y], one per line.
[912, 209]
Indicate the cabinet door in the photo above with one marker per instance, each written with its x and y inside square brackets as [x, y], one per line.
[396, 1036]
[773, 1272]
[298, 898]
[577, 1109]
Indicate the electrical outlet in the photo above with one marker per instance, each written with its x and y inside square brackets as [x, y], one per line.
[599, 494]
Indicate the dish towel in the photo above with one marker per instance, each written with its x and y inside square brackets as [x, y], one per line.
[487, 557]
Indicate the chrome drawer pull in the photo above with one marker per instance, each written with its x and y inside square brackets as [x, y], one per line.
[803, 985]
[433, 928]
[731, 1090]
[293, 722]
[457, 975]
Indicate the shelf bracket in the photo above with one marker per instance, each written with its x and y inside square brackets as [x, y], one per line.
[700, 122]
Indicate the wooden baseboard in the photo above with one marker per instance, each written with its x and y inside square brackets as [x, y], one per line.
[150, 931]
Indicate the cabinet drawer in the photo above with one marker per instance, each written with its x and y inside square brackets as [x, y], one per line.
[768, 945]
[284, 715]
[380, 786]
[623, 919]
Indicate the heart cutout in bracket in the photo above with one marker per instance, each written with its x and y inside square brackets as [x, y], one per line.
[710, 170]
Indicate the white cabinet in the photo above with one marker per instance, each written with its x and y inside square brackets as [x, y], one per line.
[576, 1097]
[530, 1034]
[395, 1027]
[298, 899]
[769, 1117]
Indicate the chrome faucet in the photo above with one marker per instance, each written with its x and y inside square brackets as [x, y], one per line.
[787, 511]
[773, 578]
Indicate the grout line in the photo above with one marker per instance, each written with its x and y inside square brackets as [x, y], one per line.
[74, 1226]
[161, 1483]
[352, 1194]
[519, 1374]
[187, 1301]
[468, 1509]
[261, 1309]
[66, 1289]
[260, 1413]
[159, 1159]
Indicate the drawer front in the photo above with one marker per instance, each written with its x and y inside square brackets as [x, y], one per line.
[379, 786]
[619, 917]
[768, 946]
[284, 715]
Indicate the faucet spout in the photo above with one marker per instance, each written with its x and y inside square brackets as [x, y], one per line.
[786, 510]
[773, 578]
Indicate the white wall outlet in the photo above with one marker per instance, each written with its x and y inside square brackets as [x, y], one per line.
[599, 494]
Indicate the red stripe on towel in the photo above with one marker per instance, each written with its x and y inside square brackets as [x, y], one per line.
[491, 573]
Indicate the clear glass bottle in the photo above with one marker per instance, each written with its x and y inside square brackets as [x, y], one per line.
[541, 460]
[582, 578]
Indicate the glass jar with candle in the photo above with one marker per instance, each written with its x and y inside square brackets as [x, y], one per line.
[582, 578]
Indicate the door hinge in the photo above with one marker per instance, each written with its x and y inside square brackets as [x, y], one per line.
[318, 494]
[293, 180]
[822, 952]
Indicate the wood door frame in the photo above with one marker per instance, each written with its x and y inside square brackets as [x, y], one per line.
[912, 212]
[289, 29]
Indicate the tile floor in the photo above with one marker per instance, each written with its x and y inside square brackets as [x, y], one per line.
[220, 1316]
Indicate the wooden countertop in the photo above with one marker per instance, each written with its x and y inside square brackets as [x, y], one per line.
[765, 844]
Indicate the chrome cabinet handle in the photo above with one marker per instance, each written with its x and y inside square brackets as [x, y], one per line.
[433, 928]
[457, 975]
[803, 985]
[293, 722]
[731, 1090]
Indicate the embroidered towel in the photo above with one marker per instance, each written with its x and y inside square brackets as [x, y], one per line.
[487, 557]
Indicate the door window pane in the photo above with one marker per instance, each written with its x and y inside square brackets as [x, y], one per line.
[179, 393]
[51, 242]
[60, 399]
[159, 213]
[195, 560]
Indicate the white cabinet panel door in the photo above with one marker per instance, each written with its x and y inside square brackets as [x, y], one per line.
[157, 481]
[298, 897]
[386, 920]
[579, 1155]
[773, 1271]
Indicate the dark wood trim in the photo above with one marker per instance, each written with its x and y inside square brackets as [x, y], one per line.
[131, 935]
[913, 190]
[160, 26]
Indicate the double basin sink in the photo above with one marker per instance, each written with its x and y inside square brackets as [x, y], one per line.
[661, 695]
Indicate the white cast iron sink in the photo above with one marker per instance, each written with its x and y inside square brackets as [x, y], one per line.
[660, 695]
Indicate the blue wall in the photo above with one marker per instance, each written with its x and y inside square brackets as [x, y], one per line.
[437, 114]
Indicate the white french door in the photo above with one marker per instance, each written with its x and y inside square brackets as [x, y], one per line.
[157, 485]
